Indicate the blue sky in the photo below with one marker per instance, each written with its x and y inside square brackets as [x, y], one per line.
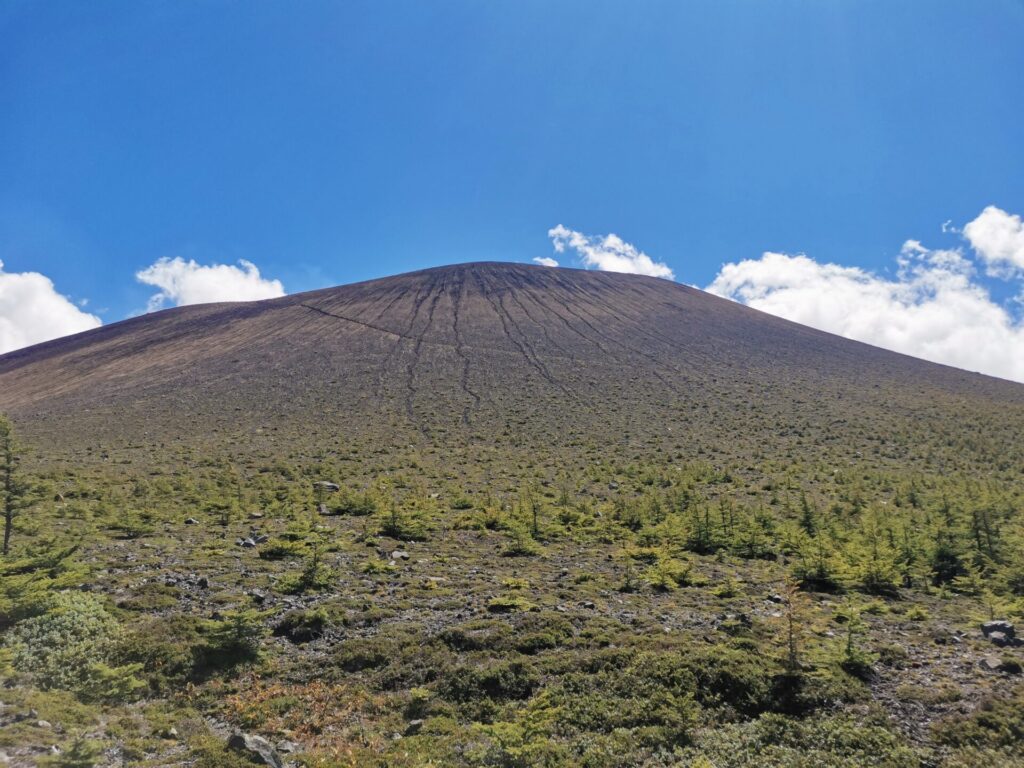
[332, 142]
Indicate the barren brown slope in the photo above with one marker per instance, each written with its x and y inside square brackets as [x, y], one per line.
[532, 358]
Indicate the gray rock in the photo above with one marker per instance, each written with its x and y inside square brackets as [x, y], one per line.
[323, 485]
[191, 521]
[414, 727]
[998, 626]
[776, 599]
[256, 748]
[248, 543]
[203, 582]
[255, 515]
[287, 747]
[991, 663]
[262, 539]
[1000, 639]
[399, 554]
[43, 724]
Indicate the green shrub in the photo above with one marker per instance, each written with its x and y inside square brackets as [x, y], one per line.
[167, 650]
[480, 635]
[302, 626]
[998, 722]
[233, 639]
[58, 647]
[502, 681]
[361, 653]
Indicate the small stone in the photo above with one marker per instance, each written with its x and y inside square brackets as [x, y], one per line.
[170, 733]
[258, 597]
[999, 639]
[588, 604]
[43, 724]
[255, 515]
[414, 727]
[256, 748]
[776, 599]
[991, 663]
[262, 539]
[203, 582]
[399, 554]
[191, 521]
[287, 746]
[248, 543]
[613, 486]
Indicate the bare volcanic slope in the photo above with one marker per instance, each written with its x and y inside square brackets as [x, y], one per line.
[565, 362]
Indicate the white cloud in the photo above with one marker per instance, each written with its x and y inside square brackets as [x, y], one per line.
[608, 252]
[186, 282]
[935, 308]
[31, 311]
[998, 237]
[545, 261]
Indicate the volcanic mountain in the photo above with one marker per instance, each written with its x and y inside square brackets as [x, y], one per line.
[567, 363]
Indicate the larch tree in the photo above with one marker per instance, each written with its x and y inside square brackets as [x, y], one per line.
[13, 491]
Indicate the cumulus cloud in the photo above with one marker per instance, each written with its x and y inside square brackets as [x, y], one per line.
[31, 311]
[186, 282]
[607, 252]
[545, 261]
[935, 308]
[998, 237]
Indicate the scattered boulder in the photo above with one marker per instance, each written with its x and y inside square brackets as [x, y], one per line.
[399, 554]
[999, 639]
[999, 625]
[324, 485]
[248, 543]
[991, 663]
[414, 727]
[191, 521]
[256, 748]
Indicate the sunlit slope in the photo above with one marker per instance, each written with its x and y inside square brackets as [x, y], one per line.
[494, 354]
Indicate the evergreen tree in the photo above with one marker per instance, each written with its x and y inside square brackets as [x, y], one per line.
[13, 490]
